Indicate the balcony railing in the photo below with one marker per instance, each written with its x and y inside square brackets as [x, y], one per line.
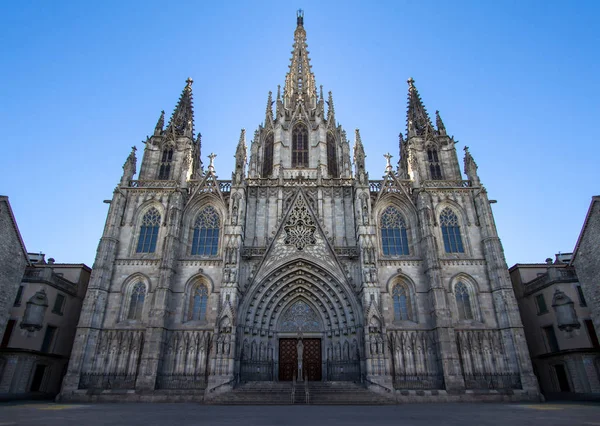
[553, 275]
[46, 274]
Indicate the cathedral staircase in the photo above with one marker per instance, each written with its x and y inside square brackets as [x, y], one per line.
[344, 393]
[318, 393]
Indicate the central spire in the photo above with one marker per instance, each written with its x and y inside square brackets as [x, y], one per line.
[300, 81]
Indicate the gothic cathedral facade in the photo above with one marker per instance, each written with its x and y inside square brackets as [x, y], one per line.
[300, 267]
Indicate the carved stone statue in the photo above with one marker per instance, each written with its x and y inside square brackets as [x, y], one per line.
[300, 350]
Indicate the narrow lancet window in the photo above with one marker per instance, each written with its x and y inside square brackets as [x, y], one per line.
[149, 232]
[206, 232]
[451, 232]
[300, 146]
[267, 167]
[463, 302]
[401, 303]
[165, 164]
[136, 303]
[332, 165]
[199, 303]
[394, 241]
[435, 170]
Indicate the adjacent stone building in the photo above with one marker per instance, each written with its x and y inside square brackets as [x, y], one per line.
[35, 348]
[13, 259]
[560, 334]
[300, 266]
[586, 259]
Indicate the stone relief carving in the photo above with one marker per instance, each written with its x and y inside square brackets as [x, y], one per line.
[300, 317]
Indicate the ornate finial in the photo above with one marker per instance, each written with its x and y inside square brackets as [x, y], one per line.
[411, 82]
[160, 124]
[321, 92]
[388, 167]
[278, 92]
[211, 166]
[189, 82]
[300, 17]
[269, 112]
[133, 148]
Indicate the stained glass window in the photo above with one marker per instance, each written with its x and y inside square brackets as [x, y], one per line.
[332, 164]
[267, 167]
[149, 232]
[463, 302]
[165, 164]
[401, 303]
[451, 232]
[394, 241]
[136, 304]
[206, 232]
[300, 146]
[199, 302]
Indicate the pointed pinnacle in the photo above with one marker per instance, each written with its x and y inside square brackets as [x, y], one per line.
[439, 123]
[160, 124]
[269, 112]
[417, 120]
[331, 111]
[182, 119]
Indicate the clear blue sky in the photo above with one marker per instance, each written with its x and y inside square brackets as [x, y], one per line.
[516, 81]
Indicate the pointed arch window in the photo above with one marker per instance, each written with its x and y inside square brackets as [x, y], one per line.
[206, 232]
[267, 167]
[199, 303]
[332, 164]
[451, 231]
[165, 164]
[136, 301]
[401, 300]
[149, 232]
[463, 301]
[300, 146]
[435, 170]
[394, 241]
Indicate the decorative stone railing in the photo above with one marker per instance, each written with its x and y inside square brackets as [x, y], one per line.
[447, 184]
[152, 183]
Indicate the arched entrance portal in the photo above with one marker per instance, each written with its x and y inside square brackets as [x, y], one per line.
[300, 321]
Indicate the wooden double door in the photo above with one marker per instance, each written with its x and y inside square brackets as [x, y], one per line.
[288, 359]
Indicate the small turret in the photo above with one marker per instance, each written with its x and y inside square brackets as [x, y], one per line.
[330, 111]
[240, 158]
[359, 158]
[269, 111]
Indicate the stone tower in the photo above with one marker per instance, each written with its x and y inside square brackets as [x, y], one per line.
[299, 267]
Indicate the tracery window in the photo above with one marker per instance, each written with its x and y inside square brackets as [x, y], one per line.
[198, 303]
[267, 167]
[136, 302]
[394, 241]
[451, 231]
[149, 232]
[434, 164]
[165, 164]
[300, 146]
[401, 300]
[332, 164]
[463, 301]
[206, 232]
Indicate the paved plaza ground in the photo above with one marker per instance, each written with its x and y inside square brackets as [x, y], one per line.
[482, 414]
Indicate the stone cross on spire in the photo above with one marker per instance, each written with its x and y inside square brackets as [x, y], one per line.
[211, 166]
[388, 167]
